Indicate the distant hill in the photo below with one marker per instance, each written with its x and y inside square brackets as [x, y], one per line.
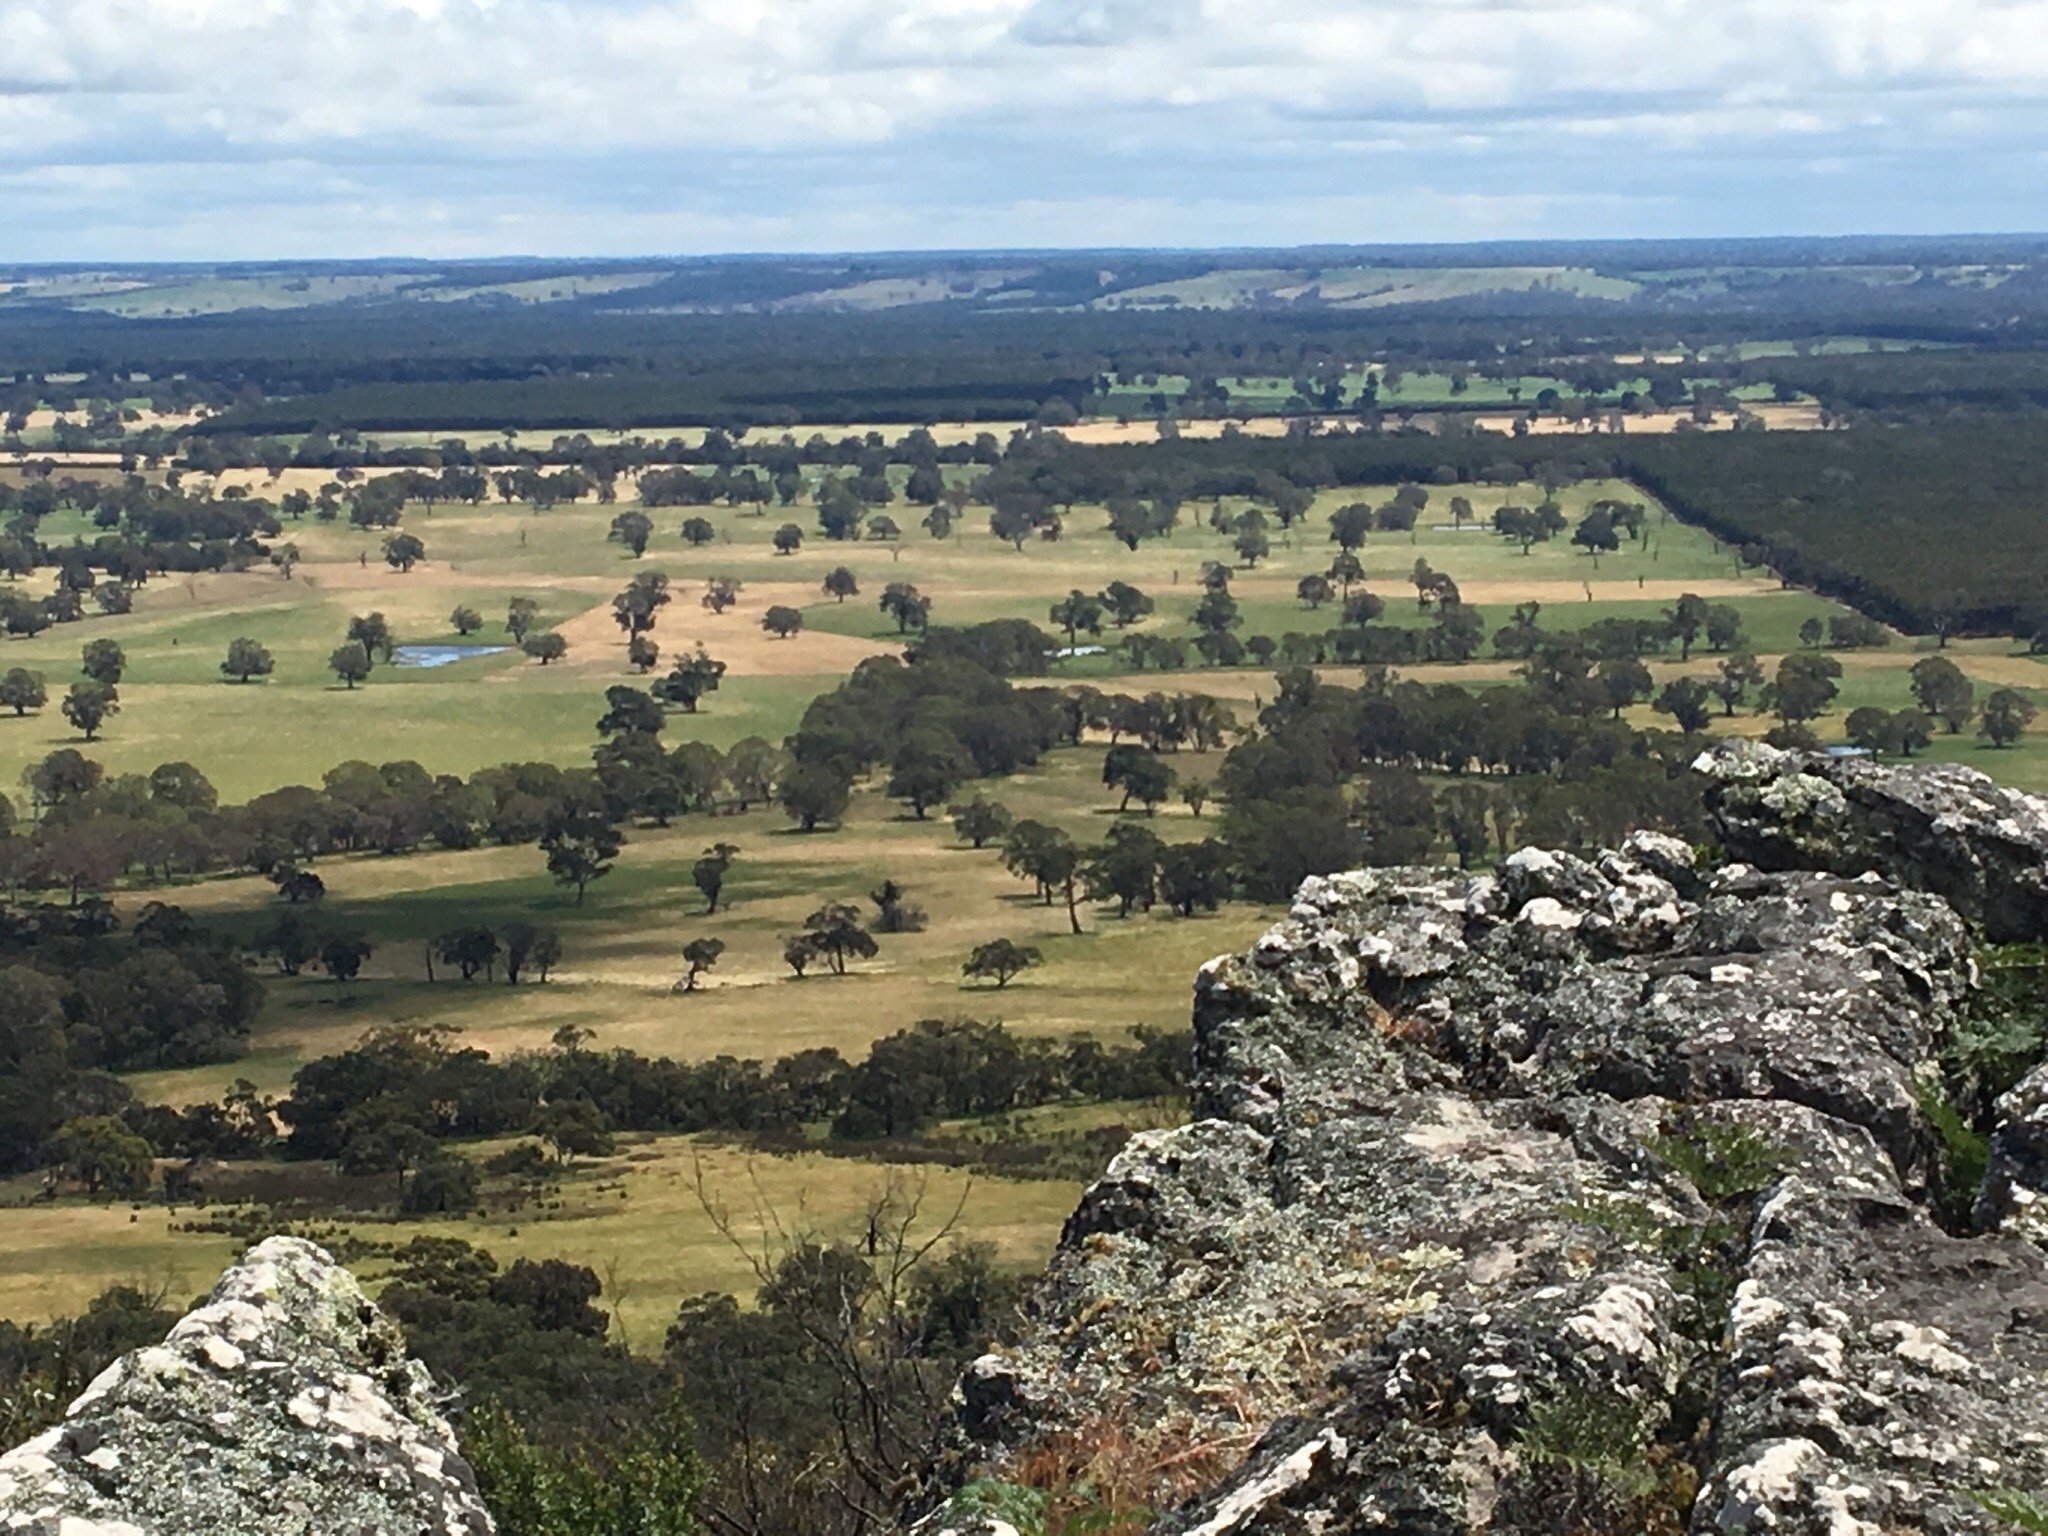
[1539, 277]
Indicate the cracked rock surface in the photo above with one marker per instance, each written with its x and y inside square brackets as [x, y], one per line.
[1584, 1194]
[285, 1406]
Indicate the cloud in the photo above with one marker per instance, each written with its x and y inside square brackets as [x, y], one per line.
[1099, 23]
[838, 122]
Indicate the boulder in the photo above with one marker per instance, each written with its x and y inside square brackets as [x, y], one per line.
[285, 1405]
[1943, 828]
[2015, 1194]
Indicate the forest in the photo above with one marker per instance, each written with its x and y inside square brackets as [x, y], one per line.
[1935, 529]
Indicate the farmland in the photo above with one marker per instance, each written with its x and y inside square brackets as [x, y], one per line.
[640, 1207]
[457, 718]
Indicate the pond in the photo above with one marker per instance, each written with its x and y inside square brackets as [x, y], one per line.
[441, 655]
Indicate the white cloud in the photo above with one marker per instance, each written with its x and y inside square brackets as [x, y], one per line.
[725, 104]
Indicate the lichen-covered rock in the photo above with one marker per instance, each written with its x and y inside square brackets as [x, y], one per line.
[2015, 1196]
[1942, 828]
[284, 1406]
[1878, 1370]
[1587, 1193]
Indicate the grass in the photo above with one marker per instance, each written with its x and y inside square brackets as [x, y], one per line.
[294, 726]
[636, 1218]
[623, 946]
[640, 1220]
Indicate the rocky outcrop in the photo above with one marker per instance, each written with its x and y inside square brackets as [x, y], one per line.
[1586, 1194]
[285, 1405]
[1942, 828]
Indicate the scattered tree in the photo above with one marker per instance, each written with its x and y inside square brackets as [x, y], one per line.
[632, 529]
[1078, 611]
[814, 793]
[88, 705]
[692, 677]
[1000, 960]
[1126, 604]
[910, 608]
[350, 662]
[103, 662]
[373, 632]
[1739, 673]
[981, 821]
[545, 648]
[709, 872]
[580, 846]
[1944, 691]
[1686, 701]
[247, 659]
[342, 956]
[1805, 686]
[699, 956]
[403, 551]
[101, 1153]
[836, 935]
[2007, 714]
[22, 691]
[1597, 534]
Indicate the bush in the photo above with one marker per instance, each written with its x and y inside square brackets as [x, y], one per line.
[642, 1484]
[442, 1185]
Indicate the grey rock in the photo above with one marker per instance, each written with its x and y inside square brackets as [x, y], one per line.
[1878, 1369]
[284, 1406]
[1620, 1140]
[1942, 828]
[2015, 1194]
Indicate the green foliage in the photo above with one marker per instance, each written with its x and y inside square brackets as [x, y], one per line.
[1592, 1463]
[1725, 1164]
[642, 1482]
[103, 1154]
[999, 960]
[1965, 1152]
[43, 1367]
[1598, 1437]
[2023, 1511]
[1722, 1162]
[2006, 1031]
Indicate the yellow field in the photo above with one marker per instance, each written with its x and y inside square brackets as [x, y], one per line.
[636, 1218]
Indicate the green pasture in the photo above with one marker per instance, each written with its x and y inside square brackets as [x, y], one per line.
[293, 726]
[623, 945]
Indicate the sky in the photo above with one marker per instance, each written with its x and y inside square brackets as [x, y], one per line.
[231, 129]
